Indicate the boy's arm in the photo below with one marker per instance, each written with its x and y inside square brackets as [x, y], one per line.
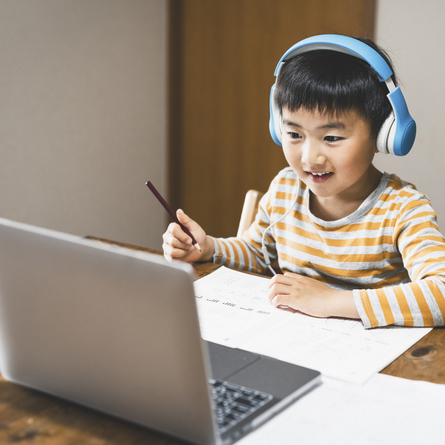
[420, 302]
[242, 253]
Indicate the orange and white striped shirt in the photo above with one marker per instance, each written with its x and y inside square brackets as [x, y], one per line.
[389, 252]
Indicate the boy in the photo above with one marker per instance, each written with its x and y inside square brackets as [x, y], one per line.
[349, 240]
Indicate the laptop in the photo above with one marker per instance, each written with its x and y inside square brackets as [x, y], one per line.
[117, 330]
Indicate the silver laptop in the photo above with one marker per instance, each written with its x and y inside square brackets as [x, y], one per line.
[117, 330]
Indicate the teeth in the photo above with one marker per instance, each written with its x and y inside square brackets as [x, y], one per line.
[320, 174]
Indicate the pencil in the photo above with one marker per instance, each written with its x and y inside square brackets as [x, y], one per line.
[171, 212]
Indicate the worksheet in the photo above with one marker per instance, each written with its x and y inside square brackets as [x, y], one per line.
[234, 310]
[230, 306]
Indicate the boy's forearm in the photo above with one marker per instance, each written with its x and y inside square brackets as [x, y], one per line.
[343, 305]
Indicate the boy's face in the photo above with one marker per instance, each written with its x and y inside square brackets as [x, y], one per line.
[331, 154]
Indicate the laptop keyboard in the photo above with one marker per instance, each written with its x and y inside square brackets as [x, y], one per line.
[234, 403]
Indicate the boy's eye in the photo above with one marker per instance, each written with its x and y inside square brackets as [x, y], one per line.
[293, 135]
[333, 138]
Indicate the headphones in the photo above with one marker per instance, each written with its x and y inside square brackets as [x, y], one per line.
[397, 133]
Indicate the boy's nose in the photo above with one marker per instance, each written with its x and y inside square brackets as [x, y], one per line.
[312, 154]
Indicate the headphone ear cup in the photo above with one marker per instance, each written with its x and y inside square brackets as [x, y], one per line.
[385, 137]
[275, 118]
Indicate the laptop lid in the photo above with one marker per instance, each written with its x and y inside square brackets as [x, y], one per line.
[111, 329]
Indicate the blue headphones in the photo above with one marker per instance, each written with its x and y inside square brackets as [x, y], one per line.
[397, 133]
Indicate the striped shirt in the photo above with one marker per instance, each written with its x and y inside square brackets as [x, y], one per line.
[389, 252]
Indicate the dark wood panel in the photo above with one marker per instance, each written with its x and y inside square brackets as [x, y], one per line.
[223, 56]
[423, 361]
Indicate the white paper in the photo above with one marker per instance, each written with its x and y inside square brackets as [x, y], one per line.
[230, 305]
[234, 310]
[385, 411]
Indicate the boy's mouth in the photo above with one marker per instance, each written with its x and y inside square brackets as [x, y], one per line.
[319, 177]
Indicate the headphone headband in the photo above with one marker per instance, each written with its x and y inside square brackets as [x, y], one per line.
[342, 44]
[399, 130]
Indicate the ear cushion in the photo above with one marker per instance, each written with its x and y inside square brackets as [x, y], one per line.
[385, 137]
[275, 118]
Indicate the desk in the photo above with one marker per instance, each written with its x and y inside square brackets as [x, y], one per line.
[27, 416]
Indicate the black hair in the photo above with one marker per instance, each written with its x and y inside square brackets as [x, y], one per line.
[333, 82]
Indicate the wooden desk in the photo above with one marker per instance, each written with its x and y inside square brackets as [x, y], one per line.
[30, 417]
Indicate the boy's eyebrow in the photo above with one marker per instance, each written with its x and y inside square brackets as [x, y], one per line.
[336, 125]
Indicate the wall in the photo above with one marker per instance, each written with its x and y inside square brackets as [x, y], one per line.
[83, 116]
[412, 33]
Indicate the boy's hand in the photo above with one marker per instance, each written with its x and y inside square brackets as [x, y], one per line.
[311, 297]
[178, 245]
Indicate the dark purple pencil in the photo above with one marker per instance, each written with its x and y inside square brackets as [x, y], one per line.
[171, 212]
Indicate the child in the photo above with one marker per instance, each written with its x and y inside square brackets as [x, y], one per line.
[349, 240]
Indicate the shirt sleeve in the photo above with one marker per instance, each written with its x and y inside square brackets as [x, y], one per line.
[420, 301]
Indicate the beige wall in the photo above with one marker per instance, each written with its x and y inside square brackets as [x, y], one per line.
[83, 115]
[412, 33]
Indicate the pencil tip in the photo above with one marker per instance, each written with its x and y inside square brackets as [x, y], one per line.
[198, 246]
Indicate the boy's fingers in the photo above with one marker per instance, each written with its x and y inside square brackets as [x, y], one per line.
[183, 217]
[176, 232]
[173, 252]
[174, 242]
[186, 220]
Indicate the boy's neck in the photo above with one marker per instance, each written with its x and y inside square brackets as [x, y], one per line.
[338, 207]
